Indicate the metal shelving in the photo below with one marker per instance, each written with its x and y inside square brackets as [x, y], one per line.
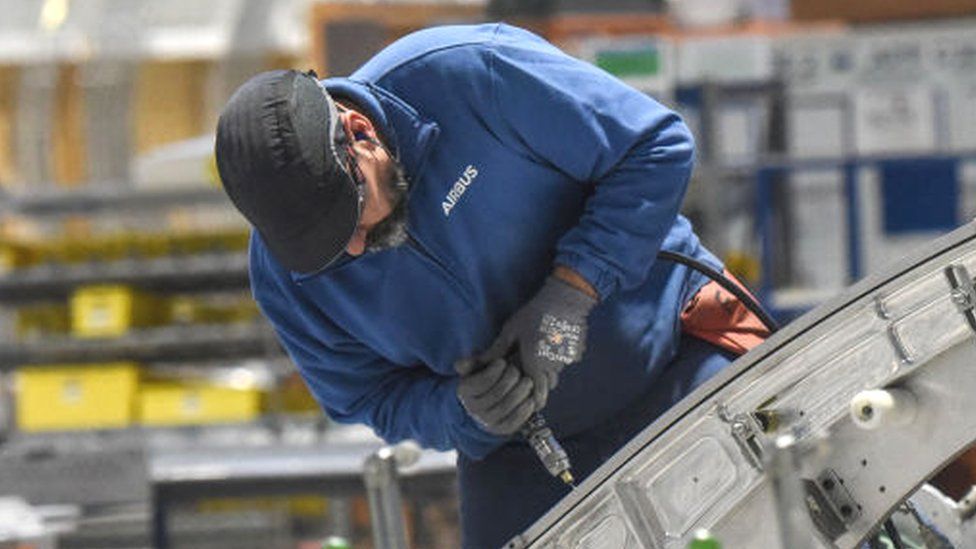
[98, 198]
[200, 272]
[150, 472]
[216, 455]
[232, 38]
[168, 343]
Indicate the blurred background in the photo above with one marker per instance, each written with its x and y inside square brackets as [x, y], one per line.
[143, 402]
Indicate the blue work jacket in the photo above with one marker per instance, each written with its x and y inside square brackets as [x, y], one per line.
[519, 157]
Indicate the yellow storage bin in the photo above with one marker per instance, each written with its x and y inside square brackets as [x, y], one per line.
[35, 321]
[110, 247]
[300, 505]
[195, 310]
[109, 311]
[179, 404]
[292, 396]
[152, 245]
[15, 255]
[62, 397]
[232, 240]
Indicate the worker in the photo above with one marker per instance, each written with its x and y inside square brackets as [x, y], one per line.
[463, 233]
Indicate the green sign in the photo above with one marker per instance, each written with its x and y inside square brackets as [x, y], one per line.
[630, 63]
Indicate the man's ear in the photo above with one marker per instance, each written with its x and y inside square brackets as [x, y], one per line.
[358, 124]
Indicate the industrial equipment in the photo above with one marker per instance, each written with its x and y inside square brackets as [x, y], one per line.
[814, 438]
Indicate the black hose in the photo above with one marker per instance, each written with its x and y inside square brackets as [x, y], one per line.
[733, 288]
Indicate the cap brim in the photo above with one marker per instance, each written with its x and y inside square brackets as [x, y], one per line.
[322, 241]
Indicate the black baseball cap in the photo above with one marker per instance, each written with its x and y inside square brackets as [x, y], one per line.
[282, 159]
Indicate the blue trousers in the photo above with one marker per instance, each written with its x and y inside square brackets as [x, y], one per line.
[508, 490]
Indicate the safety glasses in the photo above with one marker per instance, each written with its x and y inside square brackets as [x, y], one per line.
[342, 151]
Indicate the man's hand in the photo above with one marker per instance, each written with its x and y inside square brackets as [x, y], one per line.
[548, 332]
[498, 396]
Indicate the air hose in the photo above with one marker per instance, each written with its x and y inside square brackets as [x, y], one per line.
[726, 283]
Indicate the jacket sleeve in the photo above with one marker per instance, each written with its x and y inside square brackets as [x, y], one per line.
[635, 154]
[353, 384]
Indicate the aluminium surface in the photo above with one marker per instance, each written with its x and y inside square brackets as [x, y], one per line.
[702, 463]
[944, 514]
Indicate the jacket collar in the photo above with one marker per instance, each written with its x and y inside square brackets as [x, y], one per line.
[409, 135]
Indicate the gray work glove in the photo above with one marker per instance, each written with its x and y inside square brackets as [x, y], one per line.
[498, 396]
[549, 332]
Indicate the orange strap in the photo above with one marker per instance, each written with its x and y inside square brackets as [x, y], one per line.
[718, 317]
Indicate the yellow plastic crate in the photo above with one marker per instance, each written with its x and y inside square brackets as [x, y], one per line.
[307, 505]
[232, 240]
[110, 311]
[292, 396]
[151, 245]
[111, 247]
[15, 255]
[35, 321]
[195, 310]
[178, 404]
[62, 397]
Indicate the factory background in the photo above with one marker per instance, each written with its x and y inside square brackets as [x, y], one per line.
[144, 402]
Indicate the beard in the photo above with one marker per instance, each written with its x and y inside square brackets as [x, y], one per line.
[392, 230]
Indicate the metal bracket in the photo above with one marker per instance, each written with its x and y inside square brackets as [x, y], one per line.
[881, 308]
[831, 506]
[963, 292]
[904, 353]
[747, 433]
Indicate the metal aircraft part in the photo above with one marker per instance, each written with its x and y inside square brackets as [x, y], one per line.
[871, 391]
[935, 521]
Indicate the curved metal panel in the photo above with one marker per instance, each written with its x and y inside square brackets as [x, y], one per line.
[707, 462]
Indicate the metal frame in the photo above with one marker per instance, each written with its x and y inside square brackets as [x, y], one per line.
[381, 475]
[328, 468]
[197, 272]
[101, 197]
[149, 345]
[907, 315]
